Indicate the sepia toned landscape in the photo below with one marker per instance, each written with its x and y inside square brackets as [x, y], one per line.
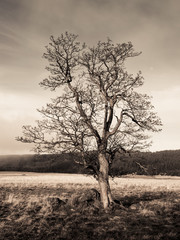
[89, 120]
[66, 206]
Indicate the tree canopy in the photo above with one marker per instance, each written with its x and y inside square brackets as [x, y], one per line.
[99, 99]
[98, 108]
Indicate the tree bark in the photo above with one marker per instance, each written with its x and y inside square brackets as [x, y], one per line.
[103, 179]
[110, 194]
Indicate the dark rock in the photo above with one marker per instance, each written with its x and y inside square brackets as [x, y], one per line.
[117, 201]
[95, 194]
[56, 202]
[88, 198]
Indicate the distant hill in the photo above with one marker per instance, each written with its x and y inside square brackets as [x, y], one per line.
[150, 163]
[146, 163]
[62, 163]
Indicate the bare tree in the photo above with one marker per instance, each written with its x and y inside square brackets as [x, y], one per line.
[98, 109]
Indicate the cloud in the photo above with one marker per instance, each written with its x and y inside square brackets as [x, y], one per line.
[25, 28]
[16, 111]
[167, 104]
[8, 144]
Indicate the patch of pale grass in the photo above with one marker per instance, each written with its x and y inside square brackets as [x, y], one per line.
[153, 183]
[160, 204]
[24, 209]
[146, 212]
[12, 198]
[79, 181]
[44, 179]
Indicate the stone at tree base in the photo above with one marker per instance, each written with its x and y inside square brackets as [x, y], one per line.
[89, 197]
[56, 202]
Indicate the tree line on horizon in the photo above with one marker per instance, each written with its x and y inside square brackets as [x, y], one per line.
[143, 163]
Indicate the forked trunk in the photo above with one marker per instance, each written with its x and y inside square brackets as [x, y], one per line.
[103, 179]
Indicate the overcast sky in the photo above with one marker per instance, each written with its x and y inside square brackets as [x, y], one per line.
[26, 25]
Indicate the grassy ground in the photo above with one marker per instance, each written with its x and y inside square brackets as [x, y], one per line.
[30, 208]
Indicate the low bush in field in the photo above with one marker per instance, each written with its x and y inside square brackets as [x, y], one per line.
[73, 211]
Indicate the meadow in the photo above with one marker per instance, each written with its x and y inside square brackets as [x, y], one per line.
[65, 206]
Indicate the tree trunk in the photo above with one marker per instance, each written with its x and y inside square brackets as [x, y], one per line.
[103, 179]
[109, 193]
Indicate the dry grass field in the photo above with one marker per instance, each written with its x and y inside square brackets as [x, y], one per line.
[63, 206]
